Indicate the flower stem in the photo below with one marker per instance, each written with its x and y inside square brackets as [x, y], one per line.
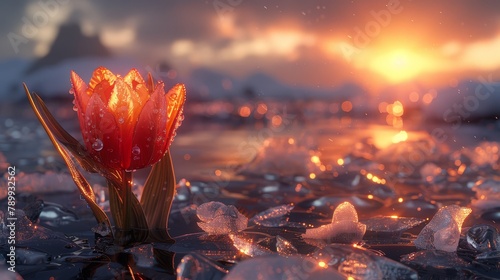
[127, 191]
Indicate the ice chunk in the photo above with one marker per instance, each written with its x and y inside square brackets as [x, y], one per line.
[389, 227]
[55, 215]
[344, 228]
[273, 217]
[248, 247]
[285, 247]
[436, 264]
[443, 231]
[482, 238]
[26, 230]
[279, 267]
[197, 267]
[358, 263]
[218, 218]
[487, 194]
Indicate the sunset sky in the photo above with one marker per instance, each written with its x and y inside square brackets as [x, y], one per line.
[320, 43]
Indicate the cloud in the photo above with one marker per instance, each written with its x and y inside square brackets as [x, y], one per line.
[262, 33]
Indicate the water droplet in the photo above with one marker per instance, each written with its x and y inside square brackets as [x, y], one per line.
[121, 120]
[75, 108]
[136, 157]
[136, 150]
[71, 91]
[101, 114]
[97, 145]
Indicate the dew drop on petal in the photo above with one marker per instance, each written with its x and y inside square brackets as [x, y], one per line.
[71, 91]
[121, 120]
[75, 108]
[97, 145]
[136, 150]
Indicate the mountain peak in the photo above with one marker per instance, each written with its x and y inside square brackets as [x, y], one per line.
[70, 43]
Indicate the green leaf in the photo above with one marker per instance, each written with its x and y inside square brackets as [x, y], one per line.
[56, 132]
[157, 198]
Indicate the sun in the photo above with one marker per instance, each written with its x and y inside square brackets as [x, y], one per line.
[399, 66]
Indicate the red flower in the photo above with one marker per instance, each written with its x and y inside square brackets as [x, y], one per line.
[127, 123]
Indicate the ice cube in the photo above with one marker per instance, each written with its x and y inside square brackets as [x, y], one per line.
[218, 218]
[344, 228]
[443, 231]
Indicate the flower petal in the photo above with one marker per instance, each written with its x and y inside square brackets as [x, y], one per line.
[137, 83]
[101, 83]
[100, 133]
[81, 96]
[150, 135]
[175, 98]
[125, 106]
